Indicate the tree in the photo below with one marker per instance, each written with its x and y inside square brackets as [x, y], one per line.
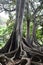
[26, 51]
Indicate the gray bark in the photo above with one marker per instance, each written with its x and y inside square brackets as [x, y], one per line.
[19, 17]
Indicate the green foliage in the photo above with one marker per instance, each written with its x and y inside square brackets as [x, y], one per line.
[39, 34]
[5, 32]
[24, 28]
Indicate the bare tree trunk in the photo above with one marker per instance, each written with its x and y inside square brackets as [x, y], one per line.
[28, 24]
[19, 18]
